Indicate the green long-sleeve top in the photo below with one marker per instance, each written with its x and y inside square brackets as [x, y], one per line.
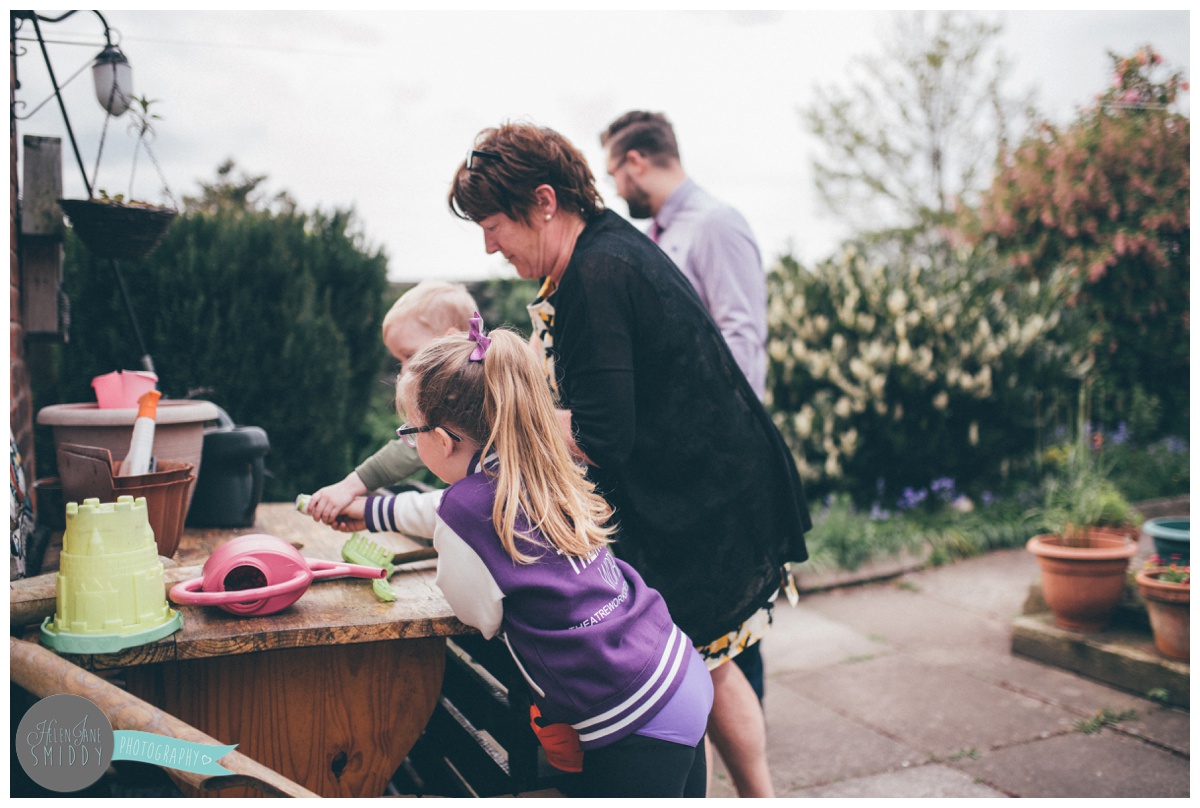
[395, 462]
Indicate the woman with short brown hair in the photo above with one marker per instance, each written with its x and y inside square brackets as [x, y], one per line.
[705, 491]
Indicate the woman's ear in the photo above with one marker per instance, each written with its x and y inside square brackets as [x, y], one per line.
[547, 200]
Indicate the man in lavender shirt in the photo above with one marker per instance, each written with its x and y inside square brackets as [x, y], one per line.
[708, 240]
[713, 246]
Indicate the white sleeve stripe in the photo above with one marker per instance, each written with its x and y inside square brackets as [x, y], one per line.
[376, 510]
[389, 513]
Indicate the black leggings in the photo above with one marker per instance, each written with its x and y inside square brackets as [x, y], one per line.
[637, 766]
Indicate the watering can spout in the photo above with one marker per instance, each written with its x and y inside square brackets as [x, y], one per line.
[340, 570]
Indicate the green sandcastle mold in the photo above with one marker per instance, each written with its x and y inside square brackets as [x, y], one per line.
[66, 643]
[110, 589]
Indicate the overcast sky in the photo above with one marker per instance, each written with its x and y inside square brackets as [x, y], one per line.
[373, 110]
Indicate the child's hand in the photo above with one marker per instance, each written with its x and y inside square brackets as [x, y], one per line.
[352, 517]
[344, 524]
[331, 501]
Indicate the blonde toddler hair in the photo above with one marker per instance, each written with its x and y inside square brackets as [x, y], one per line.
[439, 306]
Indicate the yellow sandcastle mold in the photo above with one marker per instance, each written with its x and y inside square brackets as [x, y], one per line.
[109, 587]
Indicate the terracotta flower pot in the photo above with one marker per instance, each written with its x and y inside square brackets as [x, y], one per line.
[1082, 585]
[1168, 605]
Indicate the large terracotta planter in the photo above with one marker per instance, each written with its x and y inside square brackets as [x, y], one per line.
[178, 432]
[1169, 607]
[1082, 585]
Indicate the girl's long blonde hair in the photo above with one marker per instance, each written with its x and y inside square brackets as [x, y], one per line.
[504, 404]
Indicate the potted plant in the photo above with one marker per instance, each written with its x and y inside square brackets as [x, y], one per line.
[1171, 536]
[1165, 586]
[1091, 530]
[116, 226]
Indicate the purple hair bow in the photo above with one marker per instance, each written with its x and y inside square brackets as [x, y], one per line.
[476, 336]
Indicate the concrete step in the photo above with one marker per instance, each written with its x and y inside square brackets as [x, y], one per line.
[1122, 656]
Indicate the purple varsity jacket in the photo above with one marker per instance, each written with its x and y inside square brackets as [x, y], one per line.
[595, 643]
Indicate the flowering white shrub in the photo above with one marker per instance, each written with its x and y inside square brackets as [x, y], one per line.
[885, 379]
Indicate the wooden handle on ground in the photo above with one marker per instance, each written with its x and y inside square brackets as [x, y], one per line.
[424, 554]
[43, 673]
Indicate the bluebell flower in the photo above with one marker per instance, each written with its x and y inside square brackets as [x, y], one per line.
[1175, 445]
[1121, 436]
[987, 497]
[911, 499]
[944, 488]
[878, 513]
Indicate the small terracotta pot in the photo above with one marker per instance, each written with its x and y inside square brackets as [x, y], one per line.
[1169, 606]
[1082, 585]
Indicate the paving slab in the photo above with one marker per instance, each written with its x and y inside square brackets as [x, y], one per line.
[909, 687]
[937, 709]
[899, 614]
[993, 584]
[929, 781]
[802, 638]
[809, 744]
[1165, 726]
[1078, 765]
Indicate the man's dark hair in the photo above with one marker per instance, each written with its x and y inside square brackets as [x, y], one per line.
[649, 133]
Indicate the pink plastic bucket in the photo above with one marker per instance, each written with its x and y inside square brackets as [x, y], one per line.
[121, 389]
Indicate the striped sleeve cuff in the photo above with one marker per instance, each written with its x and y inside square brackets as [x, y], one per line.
[379, 516]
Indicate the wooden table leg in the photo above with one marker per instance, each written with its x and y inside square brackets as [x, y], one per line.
[338, 719]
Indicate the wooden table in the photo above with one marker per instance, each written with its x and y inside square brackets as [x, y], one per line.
[332, 692]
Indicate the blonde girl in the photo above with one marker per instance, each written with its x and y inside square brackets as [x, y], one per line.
[522, 540]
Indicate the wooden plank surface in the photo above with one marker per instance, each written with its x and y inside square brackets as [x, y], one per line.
[339, 611]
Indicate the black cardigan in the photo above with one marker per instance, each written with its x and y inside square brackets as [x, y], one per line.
[705, 489]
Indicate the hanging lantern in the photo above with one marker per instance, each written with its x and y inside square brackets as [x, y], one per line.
[114, 80]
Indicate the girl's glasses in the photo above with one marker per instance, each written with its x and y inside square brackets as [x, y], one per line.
[408, 434]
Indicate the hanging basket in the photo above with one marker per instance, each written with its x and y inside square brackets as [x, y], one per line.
[114, 230]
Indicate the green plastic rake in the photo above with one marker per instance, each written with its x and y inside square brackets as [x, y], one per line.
[358, 549]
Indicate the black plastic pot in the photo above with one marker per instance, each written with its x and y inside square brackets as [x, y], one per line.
[230, 485]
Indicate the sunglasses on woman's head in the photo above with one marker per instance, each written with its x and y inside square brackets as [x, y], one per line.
[474, 153]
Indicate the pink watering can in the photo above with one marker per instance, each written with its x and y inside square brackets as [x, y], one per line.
[258, 574]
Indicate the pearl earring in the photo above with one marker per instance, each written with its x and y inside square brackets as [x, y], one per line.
[547, 217]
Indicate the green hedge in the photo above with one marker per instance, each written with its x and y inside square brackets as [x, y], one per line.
[273, 316]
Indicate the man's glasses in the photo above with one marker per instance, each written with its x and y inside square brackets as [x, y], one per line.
[472, 154]
[408, 433]
[611, 174]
